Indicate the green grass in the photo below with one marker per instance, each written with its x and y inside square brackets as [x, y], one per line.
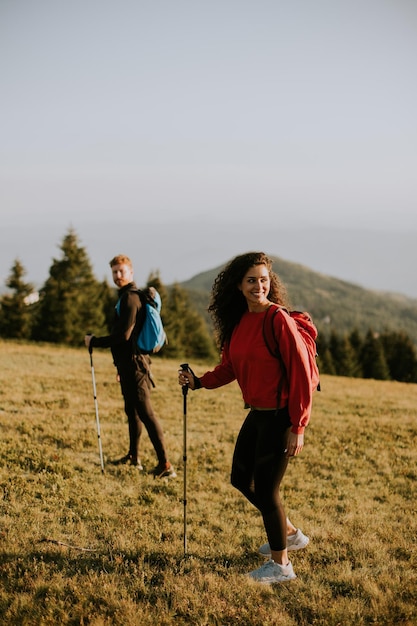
[80, 547]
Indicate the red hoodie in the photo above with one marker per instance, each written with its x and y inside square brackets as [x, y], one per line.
[247, 359]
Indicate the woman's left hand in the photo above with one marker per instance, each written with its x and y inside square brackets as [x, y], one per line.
[295, 444]
[186, 378]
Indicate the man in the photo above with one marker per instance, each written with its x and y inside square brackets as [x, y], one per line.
[133, 368]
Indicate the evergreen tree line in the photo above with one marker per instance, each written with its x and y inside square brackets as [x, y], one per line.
[382, 356]
[72, 303]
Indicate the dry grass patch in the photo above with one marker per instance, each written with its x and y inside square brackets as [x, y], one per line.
[79, 547]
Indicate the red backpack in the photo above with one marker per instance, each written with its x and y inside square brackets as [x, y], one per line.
[308, 332]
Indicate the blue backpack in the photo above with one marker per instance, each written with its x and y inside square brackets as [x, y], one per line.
[152, 336]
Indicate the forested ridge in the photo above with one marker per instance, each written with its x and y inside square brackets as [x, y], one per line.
[362, 333]
[334, 304]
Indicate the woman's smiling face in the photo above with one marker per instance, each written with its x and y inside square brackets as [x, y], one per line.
[255, 287]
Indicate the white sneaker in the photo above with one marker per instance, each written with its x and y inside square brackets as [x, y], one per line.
[294, 542]
[271, 572]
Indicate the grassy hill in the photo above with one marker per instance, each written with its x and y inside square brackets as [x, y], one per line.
[333, 303]
[81, 547]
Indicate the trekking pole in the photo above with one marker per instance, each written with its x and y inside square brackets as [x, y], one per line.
[90, 349]
[186, 368]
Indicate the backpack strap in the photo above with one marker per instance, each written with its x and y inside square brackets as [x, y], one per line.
[271, 343]
[140, 319]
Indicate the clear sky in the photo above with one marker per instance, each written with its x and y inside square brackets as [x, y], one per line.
[204, 116]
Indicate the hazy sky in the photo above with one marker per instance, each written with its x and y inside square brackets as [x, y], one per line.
[230, 115]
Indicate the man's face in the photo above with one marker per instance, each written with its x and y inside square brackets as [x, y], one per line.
[122, 275]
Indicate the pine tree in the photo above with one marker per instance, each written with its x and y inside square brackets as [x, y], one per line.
[373, 360]
[356, 343]
[154, 280]
[108, 299]
[336, 350]
[70, 304]
[401, 356]
[347, 362]
[324, 359]
[15, 308]
[187, 332]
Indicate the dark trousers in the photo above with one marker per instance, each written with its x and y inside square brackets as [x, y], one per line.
[136, 387]
[259, 464]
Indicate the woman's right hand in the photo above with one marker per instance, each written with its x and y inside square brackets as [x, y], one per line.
[295, 444]
[186, 378]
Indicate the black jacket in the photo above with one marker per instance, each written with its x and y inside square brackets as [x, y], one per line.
[126, 326]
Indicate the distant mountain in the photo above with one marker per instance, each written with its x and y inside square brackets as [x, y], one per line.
[333, 303]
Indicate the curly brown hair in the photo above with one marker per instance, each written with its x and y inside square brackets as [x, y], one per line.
[227, 303]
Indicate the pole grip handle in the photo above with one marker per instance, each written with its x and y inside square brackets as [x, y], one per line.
[186, 368]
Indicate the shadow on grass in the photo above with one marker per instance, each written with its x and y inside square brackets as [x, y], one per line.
[17, 568]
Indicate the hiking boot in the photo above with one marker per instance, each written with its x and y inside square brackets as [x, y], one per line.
[294, 542]
[128, 459]
[164, 470]
[271, 572]
[123, 461]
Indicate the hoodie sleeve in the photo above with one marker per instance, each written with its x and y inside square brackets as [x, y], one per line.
[223, 374]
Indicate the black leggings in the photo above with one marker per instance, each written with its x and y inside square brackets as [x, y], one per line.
[136, 389]
[259, 464]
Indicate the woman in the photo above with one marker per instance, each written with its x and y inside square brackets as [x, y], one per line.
[270, 434]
